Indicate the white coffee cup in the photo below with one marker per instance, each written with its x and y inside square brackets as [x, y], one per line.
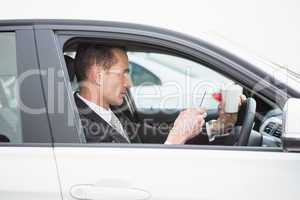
[231, 98]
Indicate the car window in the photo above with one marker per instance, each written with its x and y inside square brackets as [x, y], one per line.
[10, 124]
[147, 114]
[183, 82]
[141, 76]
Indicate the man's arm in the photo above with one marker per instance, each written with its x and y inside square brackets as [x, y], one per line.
[187, 125]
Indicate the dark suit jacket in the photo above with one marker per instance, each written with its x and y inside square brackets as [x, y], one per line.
[97, 130]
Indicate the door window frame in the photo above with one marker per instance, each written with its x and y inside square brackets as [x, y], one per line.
[185, 49]
[35, 128]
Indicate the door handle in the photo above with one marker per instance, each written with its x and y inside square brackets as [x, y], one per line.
[93, 192]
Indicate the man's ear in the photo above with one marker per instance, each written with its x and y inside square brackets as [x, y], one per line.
[95, 75]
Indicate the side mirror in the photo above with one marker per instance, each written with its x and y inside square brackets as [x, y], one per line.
[291, 125]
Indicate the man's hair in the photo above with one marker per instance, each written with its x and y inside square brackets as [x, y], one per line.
[87, 55]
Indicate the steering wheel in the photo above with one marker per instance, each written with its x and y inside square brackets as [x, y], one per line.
[246, 117]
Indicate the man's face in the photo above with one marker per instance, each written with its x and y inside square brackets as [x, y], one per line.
[115, 80]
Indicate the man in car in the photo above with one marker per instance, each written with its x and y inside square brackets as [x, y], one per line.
[104, 77]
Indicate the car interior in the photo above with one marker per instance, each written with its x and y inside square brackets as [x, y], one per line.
[259, 119]
[10, 124]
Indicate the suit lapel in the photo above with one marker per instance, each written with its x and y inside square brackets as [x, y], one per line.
[85, 111]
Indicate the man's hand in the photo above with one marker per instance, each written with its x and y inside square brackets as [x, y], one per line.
[187, 125]
[226, 121]
[242, 99]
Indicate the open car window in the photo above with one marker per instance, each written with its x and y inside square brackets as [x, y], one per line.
[164, 84]
[183, 82]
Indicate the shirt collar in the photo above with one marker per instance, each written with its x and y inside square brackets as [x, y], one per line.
[102, 112]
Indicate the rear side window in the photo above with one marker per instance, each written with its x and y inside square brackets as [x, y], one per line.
[141, 76]
[10, 123]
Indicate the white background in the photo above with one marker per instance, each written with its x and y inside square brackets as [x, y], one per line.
[269, 28]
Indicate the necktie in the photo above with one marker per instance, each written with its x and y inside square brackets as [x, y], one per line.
[116, 124]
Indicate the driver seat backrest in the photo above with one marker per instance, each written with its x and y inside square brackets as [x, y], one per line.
[71, 71]
[70, 67]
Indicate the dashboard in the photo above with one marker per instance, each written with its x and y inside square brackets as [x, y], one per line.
[271, 128]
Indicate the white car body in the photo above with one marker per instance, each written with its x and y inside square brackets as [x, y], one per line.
[28, 173]
[207, 174]
[52, 160]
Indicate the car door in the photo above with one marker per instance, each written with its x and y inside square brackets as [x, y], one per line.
[140, 171]
[159, 172]
[27, 163]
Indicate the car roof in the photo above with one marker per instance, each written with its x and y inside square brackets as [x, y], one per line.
[74, 22]
[23, 22]
[64, 23]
